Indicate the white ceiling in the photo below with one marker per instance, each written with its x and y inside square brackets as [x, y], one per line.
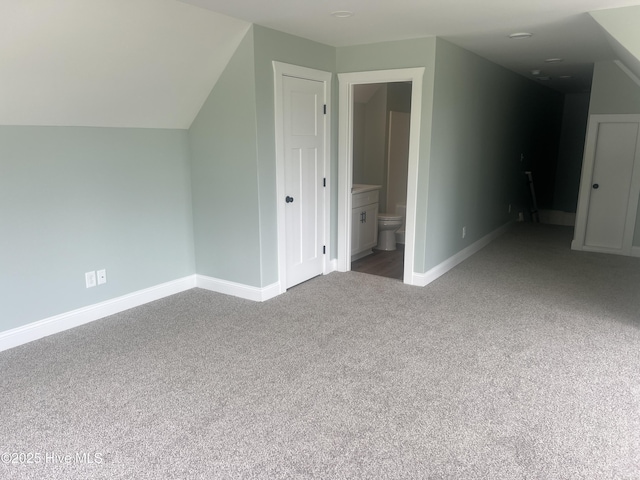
[561, 28]
[110, 63]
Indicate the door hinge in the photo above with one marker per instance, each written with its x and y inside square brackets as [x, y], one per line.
[325, 109]
[324, 249]
[324, 182]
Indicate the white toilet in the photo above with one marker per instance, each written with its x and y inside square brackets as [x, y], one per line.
[388, 224]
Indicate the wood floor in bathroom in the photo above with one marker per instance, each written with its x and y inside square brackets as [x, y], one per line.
[382, 263]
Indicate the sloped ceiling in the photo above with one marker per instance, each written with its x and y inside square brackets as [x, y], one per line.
[561, 28]
[623, 28]
[110, 63]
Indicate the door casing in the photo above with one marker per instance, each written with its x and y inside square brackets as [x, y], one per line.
[345, 159]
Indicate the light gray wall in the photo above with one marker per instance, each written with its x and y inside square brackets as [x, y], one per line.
[371, 135]
[398, 100]
[375, 143]
[223, 140]
[74, 200]
[399, 97]
[613, 92]
[574, 128]
[393, 55]
[359, 119]
[142, 229]
[496, 130]
[233, 159]
[272, 45]
[477, 118]
[484, 117]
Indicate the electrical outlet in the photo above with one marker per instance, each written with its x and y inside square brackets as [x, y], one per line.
[102, 277]
[464, 232]
[90, 279]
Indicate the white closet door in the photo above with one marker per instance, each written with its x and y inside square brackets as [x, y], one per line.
[610, 185]
[303, 165]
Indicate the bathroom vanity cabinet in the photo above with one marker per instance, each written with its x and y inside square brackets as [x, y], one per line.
[364, 220]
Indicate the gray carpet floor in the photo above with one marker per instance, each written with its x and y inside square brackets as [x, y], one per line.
[521, 363]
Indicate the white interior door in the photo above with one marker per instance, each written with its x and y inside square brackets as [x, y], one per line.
[304, 132]
[610, 185]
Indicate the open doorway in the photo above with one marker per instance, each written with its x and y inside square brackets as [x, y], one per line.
[350, 174]
[381, 121]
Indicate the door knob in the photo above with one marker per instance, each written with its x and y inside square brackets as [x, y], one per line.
[596, 186]
[288, 199]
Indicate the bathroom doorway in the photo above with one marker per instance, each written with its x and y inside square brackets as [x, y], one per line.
[364, 163]
[380, 152]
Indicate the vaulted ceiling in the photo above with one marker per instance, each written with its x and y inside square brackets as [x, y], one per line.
[561, 28]
[110, 63]
[152, 63]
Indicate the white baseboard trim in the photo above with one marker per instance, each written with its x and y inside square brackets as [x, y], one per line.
[423, 279]
[612, 251]
[257, 294]
[557, 217]
[65, 321]
[332, 266]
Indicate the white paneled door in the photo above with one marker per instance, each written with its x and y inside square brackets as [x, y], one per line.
[304, 143]
[610, 185]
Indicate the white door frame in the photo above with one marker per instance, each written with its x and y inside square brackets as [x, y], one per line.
[586, 179]
[281, 70]
[345, 159]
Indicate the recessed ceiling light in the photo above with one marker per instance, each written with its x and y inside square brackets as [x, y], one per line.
[535, 72]
[342, 14]
[518, 35]
[554, 60]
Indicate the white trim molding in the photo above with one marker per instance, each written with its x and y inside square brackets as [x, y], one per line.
[257, 294]
[65, 321]
[332, 266]
[423, 279]
[345, 159]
